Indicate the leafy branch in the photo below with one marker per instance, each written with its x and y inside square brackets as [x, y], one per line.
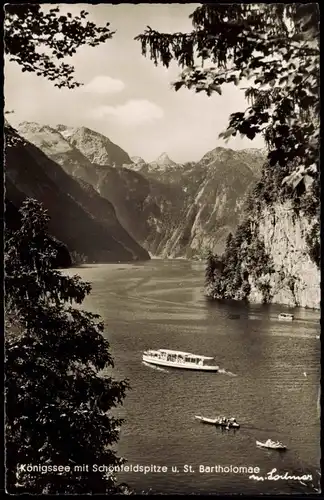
[37, 40]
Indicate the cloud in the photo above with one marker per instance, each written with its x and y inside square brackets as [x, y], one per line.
[133, 112]
[103, 85]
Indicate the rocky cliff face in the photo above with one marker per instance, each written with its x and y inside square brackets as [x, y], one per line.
[295, 279]
[137, 162]
[172, 210]
[162, 162]
[270, 259]
[127, 190]
[80, 217]
[209, 200]
[96, 147]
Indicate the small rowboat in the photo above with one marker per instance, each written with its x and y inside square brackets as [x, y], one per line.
[272, 445]
[285, 317]
[227, 423]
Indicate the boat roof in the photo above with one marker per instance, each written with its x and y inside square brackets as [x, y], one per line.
[171, 351]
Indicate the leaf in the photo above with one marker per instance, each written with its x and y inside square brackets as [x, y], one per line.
[293, 179]
[177, 85]
[217, 88]
[283, 80]
[228, 133]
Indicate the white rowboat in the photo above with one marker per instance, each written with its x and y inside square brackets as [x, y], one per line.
[285, 317]
[272, 445]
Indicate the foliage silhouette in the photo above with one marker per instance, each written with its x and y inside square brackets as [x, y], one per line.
[37, 40]
[59, 387]
[273, 46]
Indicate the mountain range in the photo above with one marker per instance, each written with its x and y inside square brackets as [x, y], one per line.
[122, 208]
[80, 218]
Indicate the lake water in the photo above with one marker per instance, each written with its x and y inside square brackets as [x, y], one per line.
[269, 380]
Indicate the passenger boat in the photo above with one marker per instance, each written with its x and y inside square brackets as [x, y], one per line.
[228, 423]
[286, 317]
[273, 445]
[179, 359]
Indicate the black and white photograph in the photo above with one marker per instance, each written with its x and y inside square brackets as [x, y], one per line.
[162, 248]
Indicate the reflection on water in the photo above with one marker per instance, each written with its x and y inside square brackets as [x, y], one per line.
[154, 367]
[160, 304]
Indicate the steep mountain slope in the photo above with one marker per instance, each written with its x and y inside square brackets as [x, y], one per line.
[139, 203]
[210, 197]
[80, 218]
[163, 162]
[51, 142]
[216, 189]
[171, 209]
[274, 255]
[96, 147]
[163, 169]
[137, 162]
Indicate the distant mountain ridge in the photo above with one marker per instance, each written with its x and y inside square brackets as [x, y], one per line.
[137, 160]
[96, 147]
[163, 161]
[171, 209]
[80, 217]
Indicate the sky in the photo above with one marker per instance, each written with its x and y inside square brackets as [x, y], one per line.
[125, 96]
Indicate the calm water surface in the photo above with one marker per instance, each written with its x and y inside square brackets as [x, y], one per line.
[269, 380]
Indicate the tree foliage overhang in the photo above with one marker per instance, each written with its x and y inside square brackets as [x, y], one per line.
[272, 47]
[38, 41]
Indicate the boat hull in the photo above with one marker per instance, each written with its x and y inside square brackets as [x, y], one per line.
[182, 366]
[285, 318]
[215, 422]
[263, 445]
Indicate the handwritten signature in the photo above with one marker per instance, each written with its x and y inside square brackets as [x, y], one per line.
[274, 476]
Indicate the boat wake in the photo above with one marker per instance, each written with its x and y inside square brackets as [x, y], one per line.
[225, 372]
[158, 368]
[254, 428]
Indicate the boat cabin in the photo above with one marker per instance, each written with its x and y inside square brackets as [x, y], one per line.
[178, 356]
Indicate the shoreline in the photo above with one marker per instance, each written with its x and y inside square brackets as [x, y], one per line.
[206, 296]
